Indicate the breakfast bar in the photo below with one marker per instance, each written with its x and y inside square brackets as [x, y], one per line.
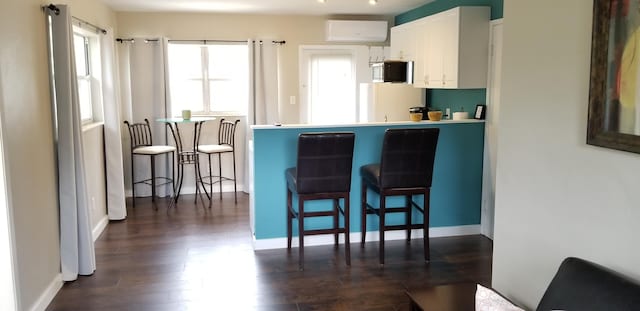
[455, 193]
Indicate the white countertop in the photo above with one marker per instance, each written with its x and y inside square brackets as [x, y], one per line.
[293, 126]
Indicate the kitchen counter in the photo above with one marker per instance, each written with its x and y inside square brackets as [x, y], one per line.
[423, 122]
[455, 194]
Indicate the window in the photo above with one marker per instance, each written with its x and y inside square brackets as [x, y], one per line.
[209, 79]
[87, 56]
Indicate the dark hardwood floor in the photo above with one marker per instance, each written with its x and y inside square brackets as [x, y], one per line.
[196, 258]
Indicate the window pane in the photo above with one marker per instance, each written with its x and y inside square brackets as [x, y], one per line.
[185, 77]
[80, 55]
[332, 88]
[84, 95]
[228, 77]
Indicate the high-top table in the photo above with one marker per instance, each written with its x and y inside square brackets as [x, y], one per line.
[185, 155]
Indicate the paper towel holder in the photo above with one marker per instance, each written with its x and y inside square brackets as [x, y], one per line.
[480, 112]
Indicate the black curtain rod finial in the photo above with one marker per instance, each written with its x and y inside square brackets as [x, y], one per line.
[54, 8]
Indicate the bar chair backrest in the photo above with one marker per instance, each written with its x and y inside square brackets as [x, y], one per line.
[407, 158]
[140, 134]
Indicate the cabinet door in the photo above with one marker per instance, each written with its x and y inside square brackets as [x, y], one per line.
[450, 32]
[434, 49]
[402, 42]
[420, 63]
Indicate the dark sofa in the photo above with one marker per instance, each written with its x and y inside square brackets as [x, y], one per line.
[580, 285]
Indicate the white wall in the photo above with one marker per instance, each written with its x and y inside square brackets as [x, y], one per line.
[555, 195]
[93, 144]
[295, 30]
[27, 130]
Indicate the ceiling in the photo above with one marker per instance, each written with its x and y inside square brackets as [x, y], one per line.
[302, 7]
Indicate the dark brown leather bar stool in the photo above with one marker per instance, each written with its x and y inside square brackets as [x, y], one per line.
[142, 145]
[405, 169]
[323, 171]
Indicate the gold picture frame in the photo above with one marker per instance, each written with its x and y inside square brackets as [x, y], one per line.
[614, 107]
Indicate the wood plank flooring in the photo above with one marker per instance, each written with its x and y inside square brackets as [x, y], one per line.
[196, 258]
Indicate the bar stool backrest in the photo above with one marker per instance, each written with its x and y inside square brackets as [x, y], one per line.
[324, 162]
[407, 158]
[140, 134]
[227, 132]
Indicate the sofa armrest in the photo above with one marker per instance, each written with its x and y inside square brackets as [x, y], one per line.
[584, 286]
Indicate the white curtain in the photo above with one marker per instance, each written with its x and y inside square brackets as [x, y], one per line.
[116, 204]
[264, 97]
[76, 243]
[145, 95]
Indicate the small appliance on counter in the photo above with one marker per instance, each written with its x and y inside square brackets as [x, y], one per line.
[418, 113]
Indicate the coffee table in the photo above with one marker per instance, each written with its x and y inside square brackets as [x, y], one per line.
[454, 297]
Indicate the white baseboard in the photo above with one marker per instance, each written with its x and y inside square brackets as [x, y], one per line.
[49, 293]
[99, 228]
[354, 237]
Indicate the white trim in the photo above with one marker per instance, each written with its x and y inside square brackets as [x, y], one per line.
[354, 237]
[47, 296]
[99, 228]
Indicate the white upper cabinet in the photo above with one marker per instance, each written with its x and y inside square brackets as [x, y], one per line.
[451, 48]
[403, 44]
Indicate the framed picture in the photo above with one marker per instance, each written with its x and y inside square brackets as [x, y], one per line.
[614, 89]
[480, 112]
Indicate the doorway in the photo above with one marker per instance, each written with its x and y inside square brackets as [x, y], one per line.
[329, 76]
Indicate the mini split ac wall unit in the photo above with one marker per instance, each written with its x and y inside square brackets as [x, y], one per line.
[356, 31]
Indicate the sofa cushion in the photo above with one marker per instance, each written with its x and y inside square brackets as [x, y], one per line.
[585, 286]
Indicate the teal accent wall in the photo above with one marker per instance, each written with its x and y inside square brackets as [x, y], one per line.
[438, 6]
[454, 99]
[457, 100]
[456, 193]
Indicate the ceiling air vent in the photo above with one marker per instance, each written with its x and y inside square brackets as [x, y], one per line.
[356, 31]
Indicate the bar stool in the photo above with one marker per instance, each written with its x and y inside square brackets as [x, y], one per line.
[323, 171]
[142, 145]
[226, 144]
[405, 169]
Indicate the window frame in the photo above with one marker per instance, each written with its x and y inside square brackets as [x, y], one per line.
[93, 73]
[206, 79]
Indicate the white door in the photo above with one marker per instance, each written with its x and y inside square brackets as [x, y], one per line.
[494, 83]
[328, 85]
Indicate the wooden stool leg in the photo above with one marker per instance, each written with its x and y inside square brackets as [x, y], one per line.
[336, 214]
[408, 217]
[289, 219]
[363, 213]
[382, 227]
[347, 231]
[300, 233]
[427, 251]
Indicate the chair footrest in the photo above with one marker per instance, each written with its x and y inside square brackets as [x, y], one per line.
[166, 181]
[403, 227]
[316, 214]
[323, 231]
[212, 180]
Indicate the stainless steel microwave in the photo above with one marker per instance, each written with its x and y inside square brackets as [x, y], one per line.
[392, 71]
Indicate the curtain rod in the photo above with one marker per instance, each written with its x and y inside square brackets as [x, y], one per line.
[132, 40]
[207, 40]
[81, 21]
[52, 7]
